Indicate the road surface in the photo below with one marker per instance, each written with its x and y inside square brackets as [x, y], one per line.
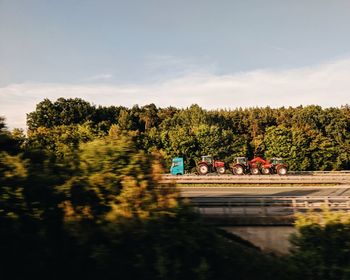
[343, 190]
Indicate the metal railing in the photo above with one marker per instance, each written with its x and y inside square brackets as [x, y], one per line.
[322, 173]
[267, 205]
[338, 178]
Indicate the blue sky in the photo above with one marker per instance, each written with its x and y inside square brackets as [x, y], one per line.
[219, 54]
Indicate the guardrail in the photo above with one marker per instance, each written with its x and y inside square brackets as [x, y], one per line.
[267, 205]
[330, 178]
[321, 173]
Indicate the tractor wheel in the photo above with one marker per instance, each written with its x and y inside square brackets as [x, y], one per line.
[238, 170]
[282, 170]
[221, 170]
[254, 171]
[265, 171]
[203, 169]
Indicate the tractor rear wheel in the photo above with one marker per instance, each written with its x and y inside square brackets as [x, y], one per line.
[221, 170]
[254, 171]
[265, 171]
[282, 170]
[238, 170]
[203, 169]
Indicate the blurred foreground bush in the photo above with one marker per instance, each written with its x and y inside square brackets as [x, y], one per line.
[101, 212]
[321, 247]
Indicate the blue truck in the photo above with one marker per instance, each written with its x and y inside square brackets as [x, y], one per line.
[177, 166]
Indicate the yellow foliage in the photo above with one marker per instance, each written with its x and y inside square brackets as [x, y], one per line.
[322, 218]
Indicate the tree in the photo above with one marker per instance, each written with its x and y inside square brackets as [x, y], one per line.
[149, 116]
[278, 142]
[61, 112]
[10, 142]
[61, 140]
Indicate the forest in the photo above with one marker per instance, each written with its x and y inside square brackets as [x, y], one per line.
[81, 195]
[308, 138]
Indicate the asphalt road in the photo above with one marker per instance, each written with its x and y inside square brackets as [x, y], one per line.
[197, 191]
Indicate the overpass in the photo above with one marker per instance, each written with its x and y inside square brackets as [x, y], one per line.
[262, 216]
[231, 199]
[261, 209]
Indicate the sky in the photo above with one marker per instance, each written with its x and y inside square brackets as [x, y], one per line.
[218, 54]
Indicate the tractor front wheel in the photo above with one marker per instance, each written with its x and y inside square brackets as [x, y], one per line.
[282, 170]
[221, 170]
[203, 169]
[238, 170]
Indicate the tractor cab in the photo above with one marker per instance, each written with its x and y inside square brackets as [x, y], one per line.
[177, 166]
[276, 161]
[241, 160]
[207, 159]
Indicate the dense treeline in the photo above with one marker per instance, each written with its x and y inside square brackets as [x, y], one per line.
[309, 138]
[99, 211]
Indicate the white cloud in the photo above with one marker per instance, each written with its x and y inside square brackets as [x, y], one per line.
[168, 67]
[327, 85]
[99, 78]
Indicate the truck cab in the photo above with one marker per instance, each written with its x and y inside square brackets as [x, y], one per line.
[177, 166]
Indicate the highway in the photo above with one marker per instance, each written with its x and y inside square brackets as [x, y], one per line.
[197, 191]
[222, 197]
[260, 200]
[299, 179]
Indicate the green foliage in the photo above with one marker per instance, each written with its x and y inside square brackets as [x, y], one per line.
[72, 203]
[10, 142]
[309, 138]
[321, 246]
[61, 112]
[116, 181]
[13, 172]
[60, 140]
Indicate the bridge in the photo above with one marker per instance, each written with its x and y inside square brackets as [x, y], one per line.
[232, 199]
[264, 216]
[262, 208]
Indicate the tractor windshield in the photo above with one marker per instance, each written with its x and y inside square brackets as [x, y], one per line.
[276, 161]
[241, 160]
[207, 159]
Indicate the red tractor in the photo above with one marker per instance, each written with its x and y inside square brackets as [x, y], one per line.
[208, 164]
[241, 166]
[278, 166]
[259, 165]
